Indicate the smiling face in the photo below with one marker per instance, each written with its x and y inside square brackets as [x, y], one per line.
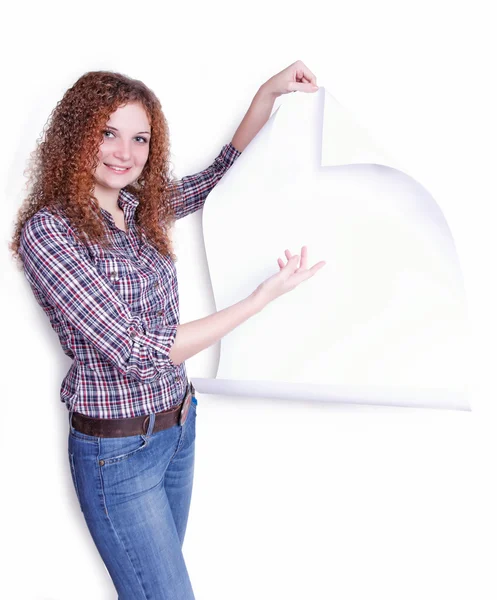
[123, 152]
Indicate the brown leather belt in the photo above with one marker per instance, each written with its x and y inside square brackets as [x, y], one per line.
[134, 425]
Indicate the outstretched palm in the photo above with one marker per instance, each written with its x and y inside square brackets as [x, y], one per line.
[289, 277]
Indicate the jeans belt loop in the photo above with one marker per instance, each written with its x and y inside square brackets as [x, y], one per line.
[148, 425]
[185, 407]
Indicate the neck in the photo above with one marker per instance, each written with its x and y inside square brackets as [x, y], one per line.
[107, 198]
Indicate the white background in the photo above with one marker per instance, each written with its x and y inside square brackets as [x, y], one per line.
[291, 500]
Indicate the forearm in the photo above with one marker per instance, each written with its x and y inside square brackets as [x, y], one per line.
[194, 189]
[256, 116]
[195, 336]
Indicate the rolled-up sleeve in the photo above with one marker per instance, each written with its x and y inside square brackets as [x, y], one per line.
[56, 264]
[192, 190]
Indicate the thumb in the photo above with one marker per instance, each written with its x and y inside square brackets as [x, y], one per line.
[295, 86]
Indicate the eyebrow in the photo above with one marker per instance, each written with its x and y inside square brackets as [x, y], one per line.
[109, 127]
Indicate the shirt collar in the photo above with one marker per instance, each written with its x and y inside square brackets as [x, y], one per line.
[128, 203]
[127, 198]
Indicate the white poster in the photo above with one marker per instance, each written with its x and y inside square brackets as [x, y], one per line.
[385, 320]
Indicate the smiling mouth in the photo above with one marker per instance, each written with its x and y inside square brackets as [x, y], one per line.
[118, 169]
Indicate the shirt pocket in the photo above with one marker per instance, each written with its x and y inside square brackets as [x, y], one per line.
[124, 276]
[163, 266]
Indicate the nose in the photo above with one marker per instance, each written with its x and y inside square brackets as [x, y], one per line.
[122, 150]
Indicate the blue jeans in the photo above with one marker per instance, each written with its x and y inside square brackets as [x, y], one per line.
[135, 496]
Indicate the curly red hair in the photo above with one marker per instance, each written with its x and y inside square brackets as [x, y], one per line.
[62, 166]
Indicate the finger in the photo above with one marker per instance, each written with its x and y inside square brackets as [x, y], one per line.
[291, 259]
[316, 267]
[293, 263]
[310, 272]
[303, 262]
[304, 71]
[308, 88]
[304, 275]
[305, 79]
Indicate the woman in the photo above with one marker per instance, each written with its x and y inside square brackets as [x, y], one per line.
[94, 240]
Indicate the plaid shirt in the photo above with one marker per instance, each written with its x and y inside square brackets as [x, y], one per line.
[115, 310]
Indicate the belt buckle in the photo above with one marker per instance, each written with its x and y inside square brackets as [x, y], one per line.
[186, 405]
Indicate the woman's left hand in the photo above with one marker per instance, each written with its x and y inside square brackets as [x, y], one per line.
[295, 78]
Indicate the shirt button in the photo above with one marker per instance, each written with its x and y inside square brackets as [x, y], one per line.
[132, 334]
[160, 312]
[113, 275]
[156, 284]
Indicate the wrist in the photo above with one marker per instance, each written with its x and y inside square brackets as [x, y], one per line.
[258, 300]
[266, 92]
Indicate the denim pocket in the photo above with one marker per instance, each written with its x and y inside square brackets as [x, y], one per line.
[73, 475]
[83, 436]
[114, 450]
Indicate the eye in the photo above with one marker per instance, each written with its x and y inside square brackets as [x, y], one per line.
[139, 137]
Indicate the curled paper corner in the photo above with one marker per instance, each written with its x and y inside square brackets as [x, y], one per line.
[357, 146]
[367, 396]
[385, 322]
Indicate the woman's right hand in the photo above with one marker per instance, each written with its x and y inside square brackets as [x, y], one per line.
[289, 277]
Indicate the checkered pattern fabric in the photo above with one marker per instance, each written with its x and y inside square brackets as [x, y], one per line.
[115, 310]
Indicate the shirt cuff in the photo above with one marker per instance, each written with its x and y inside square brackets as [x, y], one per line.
[158, 344]
[226, 158]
